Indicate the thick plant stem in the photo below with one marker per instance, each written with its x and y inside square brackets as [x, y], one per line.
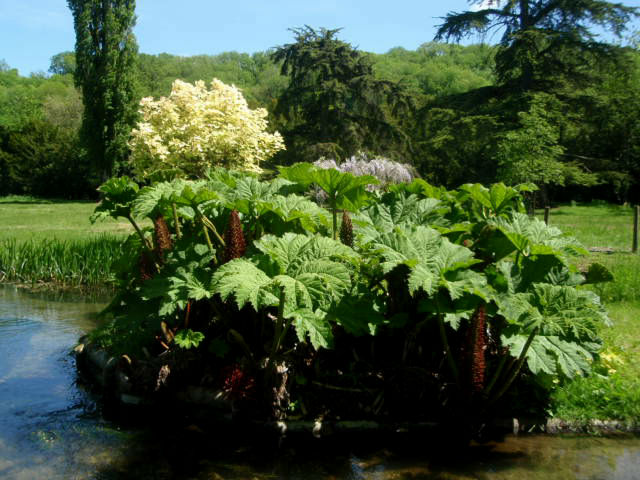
[145, 242]
[139, 232]
[335, 223]
[496, 375]
[176, 220]
[208, 239]
[208, 224]
[279, 325]
[447, 348]
[516, 368]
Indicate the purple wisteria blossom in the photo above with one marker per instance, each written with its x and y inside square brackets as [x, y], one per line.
[385, 170]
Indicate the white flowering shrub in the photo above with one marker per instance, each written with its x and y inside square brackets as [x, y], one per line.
[196, 127]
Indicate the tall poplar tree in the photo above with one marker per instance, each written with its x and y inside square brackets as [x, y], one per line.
[106, 52]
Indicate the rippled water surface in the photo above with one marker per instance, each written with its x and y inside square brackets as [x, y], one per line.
[50, 428]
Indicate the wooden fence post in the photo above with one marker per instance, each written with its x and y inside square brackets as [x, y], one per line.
[546, 215]
[636, 214]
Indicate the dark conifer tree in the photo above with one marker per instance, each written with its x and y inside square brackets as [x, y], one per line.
[541, 38]
[334, 105]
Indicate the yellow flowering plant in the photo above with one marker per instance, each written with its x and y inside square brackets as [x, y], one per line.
[196, 127]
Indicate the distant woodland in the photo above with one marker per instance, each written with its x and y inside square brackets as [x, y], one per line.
[456, 113]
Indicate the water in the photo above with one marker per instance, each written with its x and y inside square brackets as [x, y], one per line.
[50, 428]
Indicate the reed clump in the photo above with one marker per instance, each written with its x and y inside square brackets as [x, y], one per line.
[60, 263]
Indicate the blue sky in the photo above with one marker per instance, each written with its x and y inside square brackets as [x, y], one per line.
[32, 31]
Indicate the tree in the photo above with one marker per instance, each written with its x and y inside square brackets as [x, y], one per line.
[333, 104]
[532, 153]
[535, 32]
[195, 128]
[63, 63]
[42, 159]
[106, 51]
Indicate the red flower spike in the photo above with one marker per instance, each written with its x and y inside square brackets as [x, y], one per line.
[162, 236]
[236, 383]
[478, 339]
[146, 267]
[346, 230]
[235, 245]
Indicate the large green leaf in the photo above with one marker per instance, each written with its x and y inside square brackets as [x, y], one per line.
[283, 250]
[407, 247]
[419, 187]
[358, 311]
[398, 211]
[344, 190]
[325, 280]
[295, 208]
[565, 322]
[434, 262]
[493, 201]
[302, 173]
[532, 236]
[550, 354]
[246, 282]
[292, 250]
[569, 312]
[157, 197]
[301, 271]
[314, 325]
[118, 195]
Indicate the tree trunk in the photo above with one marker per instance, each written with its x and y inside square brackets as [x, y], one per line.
[526, 77]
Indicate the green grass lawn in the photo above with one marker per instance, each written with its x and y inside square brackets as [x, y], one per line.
[28, 218]
[596, 224]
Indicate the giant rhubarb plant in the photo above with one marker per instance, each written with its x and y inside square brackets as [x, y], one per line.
[344, 190]
[490, 292]
[301, 276]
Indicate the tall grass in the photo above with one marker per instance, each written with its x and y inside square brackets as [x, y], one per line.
[625, 286]
[65, 263]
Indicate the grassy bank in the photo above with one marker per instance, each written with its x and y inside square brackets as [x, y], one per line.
[27, 218]
[614, 391]
[53, 243]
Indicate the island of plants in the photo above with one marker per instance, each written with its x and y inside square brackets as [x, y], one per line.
[329, 291]
[319, 294]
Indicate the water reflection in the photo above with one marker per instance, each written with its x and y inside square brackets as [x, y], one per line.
[50, 428]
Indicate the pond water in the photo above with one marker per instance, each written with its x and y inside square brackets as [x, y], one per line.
[50, 428]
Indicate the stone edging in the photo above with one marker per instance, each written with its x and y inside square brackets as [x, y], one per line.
[103, 371]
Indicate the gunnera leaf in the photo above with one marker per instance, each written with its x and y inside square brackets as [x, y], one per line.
[187, 338]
